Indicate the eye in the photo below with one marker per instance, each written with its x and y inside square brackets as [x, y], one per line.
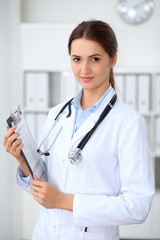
[76, 59]
[96, 59]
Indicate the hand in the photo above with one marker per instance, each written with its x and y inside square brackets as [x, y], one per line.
[12, 144]
[49, 197]
[44, 193]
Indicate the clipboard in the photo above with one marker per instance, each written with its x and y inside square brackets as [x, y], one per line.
[29, 152]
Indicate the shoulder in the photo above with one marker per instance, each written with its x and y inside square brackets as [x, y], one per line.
[55, 110]
[51, 119]
[126, 114]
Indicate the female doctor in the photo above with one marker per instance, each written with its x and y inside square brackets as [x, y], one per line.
[111, 182]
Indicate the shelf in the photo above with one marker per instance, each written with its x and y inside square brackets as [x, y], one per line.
[157, 155]
[35, 111]
[149, 114]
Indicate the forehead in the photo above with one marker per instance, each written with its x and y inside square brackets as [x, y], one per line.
[82, 46]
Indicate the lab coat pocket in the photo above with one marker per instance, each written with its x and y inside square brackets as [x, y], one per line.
[92, 235]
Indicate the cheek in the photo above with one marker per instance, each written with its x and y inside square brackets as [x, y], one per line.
[102, 73]
[106, 71]
[74, 69]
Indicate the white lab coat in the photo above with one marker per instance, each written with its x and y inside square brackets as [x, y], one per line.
[114, 183]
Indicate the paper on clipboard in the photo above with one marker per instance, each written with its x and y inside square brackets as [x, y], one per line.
[29, 151]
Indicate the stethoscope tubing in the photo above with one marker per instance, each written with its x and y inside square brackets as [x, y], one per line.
[102, 116]
[46, 153]
[77, 153]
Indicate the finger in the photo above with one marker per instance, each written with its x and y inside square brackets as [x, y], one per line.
[16, 144]
[36, 195]
[35, 189]
[18, 150]
[10, 140]
[8, 134]
[16, 147]
[37, 183]
[11, 130]
[36, 178]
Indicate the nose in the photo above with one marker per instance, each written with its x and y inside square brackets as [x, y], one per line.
[85, 68]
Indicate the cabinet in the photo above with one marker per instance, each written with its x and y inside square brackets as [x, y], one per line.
[141, 90]
[52, 82]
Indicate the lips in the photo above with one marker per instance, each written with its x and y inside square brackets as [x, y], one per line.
[87, 79]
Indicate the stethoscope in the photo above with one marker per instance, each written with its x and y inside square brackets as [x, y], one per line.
[75, 155]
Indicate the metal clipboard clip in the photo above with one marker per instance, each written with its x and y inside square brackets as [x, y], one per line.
[15, 117]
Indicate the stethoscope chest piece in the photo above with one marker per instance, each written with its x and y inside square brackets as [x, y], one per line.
[75, 156]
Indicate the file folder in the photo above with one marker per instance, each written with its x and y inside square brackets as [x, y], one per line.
[158, 134]
[130, 94]
[157, 90]
[120, 86]
[37, 89]
[144, 93]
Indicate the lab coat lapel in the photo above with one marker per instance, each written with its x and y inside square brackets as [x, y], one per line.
[68, 124]
[86, 127]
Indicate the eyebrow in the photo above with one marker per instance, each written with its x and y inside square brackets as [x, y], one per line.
[94, 55]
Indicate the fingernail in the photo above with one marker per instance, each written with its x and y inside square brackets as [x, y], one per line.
[14, 127]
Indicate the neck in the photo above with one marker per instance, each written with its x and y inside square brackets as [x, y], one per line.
[89, 98]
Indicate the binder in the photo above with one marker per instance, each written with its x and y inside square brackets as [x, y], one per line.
[37, 88]
[144, 93]
[42, 91]
[157, 90]
[158, 134]
[31, 90]
[29, 152]
[69, 85]
[130, 94]
[120, 86]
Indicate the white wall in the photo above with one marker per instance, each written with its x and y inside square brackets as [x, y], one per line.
[138, 45]
[5, 195]
[9, 88]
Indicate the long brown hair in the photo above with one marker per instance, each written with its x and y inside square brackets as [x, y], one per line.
[100, 32]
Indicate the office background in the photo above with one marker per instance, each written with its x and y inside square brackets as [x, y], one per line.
[139, 50]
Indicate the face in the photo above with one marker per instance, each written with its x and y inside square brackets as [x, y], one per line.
[91, 64]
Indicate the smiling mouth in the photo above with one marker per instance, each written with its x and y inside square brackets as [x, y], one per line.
[87, 79]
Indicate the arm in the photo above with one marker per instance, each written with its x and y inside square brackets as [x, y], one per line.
[133, 201]
[45, 193]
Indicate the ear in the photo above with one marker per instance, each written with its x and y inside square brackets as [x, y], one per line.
[114, 60]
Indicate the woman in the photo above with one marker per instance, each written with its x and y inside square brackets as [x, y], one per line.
[113, 184]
